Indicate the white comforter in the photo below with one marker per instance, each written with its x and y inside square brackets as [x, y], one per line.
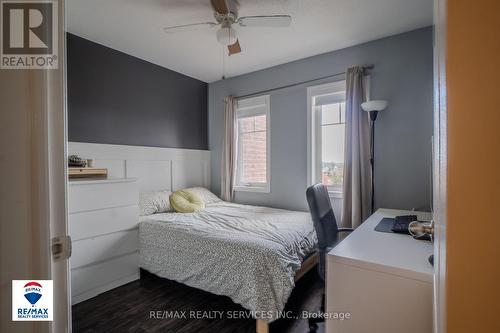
[245, 252]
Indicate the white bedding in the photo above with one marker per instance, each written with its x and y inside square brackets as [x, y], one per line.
[245, 252]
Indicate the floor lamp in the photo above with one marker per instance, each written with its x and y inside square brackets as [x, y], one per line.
[373, 108]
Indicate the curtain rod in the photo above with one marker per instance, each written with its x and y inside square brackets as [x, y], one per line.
[298, 83]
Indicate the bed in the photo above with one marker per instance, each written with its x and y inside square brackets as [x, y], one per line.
[251, 254]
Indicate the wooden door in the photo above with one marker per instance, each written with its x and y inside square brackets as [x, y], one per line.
[472, 187]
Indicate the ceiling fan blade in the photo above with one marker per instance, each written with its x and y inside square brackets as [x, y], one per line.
[189, 27]
[234, 48]
[265, 21]
[220, 6]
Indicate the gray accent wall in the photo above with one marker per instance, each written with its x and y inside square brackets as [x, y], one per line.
[403, 75]
[116, 98]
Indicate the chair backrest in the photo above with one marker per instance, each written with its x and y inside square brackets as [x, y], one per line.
[322, 215]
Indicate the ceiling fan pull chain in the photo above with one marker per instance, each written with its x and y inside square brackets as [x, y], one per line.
[223, 64]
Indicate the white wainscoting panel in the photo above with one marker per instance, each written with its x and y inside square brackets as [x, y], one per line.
[151, 175]
[154, 168]
[190, 172]
[116, 168]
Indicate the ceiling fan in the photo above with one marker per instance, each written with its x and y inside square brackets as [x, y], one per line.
[226, 14]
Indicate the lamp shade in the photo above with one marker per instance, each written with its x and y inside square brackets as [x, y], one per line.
[374, 106]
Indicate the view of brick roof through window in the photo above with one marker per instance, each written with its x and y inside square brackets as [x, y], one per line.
[252, 146]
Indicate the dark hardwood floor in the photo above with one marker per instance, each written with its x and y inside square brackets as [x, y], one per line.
[128, 308]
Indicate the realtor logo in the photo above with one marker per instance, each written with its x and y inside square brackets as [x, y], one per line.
[29, 34]
[32, 300]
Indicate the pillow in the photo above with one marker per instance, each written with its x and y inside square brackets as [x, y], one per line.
[154, 202]
[186, 201]
[205, 195]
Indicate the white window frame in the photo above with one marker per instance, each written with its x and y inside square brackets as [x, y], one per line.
[247, 107]
[314, 134]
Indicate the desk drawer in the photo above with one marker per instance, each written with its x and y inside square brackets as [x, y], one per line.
[377, 301]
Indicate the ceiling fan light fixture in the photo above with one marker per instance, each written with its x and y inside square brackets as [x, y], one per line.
[227, 36]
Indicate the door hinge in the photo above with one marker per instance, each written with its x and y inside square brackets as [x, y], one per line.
[61, 248]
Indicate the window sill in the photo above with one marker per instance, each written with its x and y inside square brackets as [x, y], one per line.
[336, 194]
[259, 189]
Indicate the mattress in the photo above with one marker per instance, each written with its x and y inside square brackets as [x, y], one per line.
[248, 253]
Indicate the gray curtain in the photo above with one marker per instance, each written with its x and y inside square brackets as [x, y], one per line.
[357, 168]
[228, 150]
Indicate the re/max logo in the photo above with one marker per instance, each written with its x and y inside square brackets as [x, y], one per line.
[32, 311]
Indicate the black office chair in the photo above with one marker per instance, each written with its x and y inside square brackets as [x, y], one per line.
[327, 231]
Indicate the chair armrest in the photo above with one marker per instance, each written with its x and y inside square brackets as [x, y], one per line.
[345, 229]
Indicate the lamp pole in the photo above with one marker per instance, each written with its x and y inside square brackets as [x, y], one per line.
[373, 117]
[373, 108]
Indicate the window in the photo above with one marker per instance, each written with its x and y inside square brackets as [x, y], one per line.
[252, 161]
[326, 119]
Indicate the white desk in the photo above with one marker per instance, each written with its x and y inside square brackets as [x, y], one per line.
[383, 280]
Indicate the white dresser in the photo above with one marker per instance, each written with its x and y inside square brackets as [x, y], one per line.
[383, 280]
[103, 218]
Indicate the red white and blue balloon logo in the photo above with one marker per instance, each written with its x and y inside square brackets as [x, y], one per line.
[33, 292]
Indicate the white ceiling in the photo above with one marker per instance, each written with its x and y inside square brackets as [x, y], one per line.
[318, 26]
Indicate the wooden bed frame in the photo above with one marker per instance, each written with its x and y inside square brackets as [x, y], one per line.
[261, 325]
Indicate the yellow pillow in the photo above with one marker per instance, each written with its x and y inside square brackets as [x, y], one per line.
[186, 201]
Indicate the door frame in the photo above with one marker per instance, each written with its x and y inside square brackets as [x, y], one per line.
[440, 166]
[56, 110]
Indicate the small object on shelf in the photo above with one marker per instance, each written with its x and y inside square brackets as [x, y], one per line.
[90, 162]
[76, 161]
[87, 172]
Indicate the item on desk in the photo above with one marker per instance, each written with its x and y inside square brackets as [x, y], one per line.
[385, 225]
[402, 223]
[422, 230]
[90, 162]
